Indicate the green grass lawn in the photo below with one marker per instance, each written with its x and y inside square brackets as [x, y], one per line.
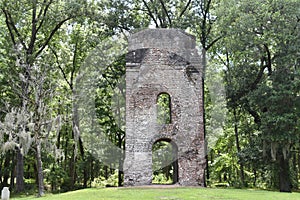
[168, 194]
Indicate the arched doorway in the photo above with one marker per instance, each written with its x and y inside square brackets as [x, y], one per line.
[164, 162]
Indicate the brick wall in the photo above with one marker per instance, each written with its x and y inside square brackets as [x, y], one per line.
[164, 61]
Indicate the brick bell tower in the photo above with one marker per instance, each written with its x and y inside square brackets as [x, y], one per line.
[164, 61]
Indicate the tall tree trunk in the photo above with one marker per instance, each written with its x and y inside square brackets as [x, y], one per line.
[255, 177]
[242, 175]
[284, 176]
[106, 172]
[121, 159]
[120, 173]
[85, 177]
[75, 136]
[203, 108]
[85, 161]
[85, 172]
[298, 164]
[91, 171]
[12, 172]
[72, 167]
[19, 172]
[6, 170]
[39, 168]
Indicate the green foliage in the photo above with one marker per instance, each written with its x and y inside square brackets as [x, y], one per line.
[111, 181]
[262, 74]
[56, 176]
[160, 178]
[163, 109]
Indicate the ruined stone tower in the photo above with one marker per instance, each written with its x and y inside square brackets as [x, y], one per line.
[164, 61]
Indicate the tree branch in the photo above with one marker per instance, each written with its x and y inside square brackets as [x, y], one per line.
[74, 66]
[165, 10]
[222, 60]
[59, 66]
[33, 29]
[150, 14]
[202, 8]
[269, 60]
[44, 14]
[41, 10]
[185, 8]
[9, 28]
[252, 86]
[123, 28]
[207, 6]
[51, 35]
[253, 113]
[10, 24]
[204, 31]
[212, 43]
[158, 15]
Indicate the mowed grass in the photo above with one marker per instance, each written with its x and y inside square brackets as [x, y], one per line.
[168, 194]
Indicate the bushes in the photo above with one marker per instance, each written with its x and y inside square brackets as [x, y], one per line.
[111, 181]
[161, 179]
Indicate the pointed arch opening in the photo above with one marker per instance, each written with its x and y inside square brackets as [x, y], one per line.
[164, 162]
[163, 108]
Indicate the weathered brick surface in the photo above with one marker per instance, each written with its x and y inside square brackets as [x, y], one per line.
[163, 61]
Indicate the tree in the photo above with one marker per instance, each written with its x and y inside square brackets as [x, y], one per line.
[31, 27]
[262, 75]
[16, 136]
